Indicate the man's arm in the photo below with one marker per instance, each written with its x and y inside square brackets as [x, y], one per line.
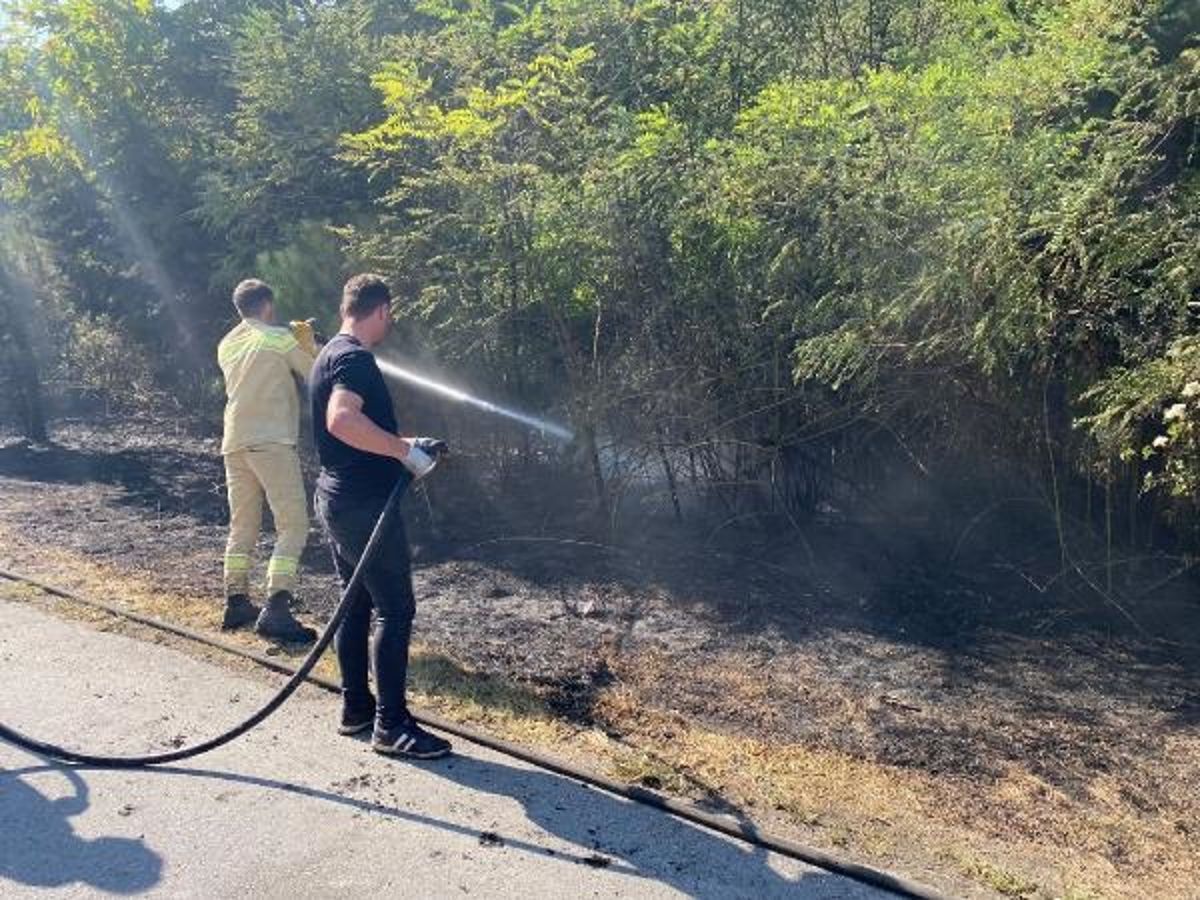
[300, 361]
[301, 357]
[346, 421]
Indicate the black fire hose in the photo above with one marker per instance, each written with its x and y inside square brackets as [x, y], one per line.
[53, 751]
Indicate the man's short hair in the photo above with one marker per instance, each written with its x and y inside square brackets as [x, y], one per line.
[251, 295]
[363, 294]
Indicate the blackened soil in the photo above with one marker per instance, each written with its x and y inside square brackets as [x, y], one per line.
[865, 642]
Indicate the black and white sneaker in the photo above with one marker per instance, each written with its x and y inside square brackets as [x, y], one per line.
[410, 740]
[356, 719]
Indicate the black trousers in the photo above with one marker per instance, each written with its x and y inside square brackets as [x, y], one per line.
[386, 589]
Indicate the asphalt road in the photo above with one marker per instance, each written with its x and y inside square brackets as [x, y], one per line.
[293, 810]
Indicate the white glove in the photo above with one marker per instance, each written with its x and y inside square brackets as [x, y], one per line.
[418, 462]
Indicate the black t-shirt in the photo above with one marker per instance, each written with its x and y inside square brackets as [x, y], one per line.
[345, 470]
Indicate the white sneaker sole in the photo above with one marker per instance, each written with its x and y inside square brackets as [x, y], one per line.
[398, 751]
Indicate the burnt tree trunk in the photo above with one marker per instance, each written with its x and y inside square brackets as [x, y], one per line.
[21, 366]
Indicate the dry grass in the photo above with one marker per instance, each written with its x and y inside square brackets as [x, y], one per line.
[946, 832]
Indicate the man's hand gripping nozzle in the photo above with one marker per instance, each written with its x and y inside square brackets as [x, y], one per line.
[424, 453]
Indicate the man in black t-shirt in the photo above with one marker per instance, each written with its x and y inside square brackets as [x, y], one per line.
[362, 459]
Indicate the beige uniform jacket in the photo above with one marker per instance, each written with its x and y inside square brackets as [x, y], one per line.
[262, 405]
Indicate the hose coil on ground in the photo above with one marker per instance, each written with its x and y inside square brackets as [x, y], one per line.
[53, 751]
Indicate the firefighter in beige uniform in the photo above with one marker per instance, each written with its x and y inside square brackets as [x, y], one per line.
[260, 361]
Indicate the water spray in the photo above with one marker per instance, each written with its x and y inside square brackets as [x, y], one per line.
[444, 390]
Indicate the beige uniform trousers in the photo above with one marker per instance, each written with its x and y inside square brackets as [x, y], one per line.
[271, 471]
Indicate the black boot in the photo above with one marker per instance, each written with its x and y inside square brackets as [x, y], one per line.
[276, 621]
[239, 611]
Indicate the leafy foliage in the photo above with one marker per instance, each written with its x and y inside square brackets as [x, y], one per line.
[722, 236]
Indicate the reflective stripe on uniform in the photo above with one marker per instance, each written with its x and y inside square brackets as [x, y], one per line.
[237, 562]
[234, 349]
[282, 565]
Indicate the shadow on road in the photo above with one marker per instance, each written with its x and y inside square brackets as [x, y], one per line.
[46, 852]
[654, 846]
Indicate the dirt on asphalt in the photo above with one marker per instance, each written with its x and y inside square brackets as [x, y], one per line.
[1041, 723]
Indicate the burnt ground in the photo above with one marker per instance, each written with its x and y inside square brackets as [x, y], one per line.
[867, 643]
